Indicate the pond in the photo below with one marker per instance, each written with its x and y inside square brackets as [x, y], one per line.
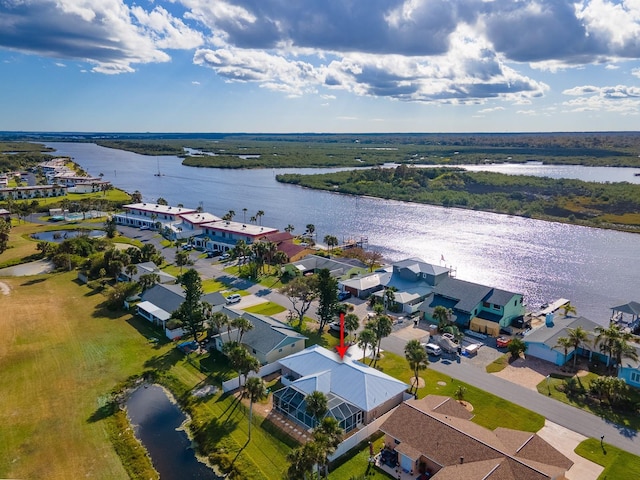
[156, 422]
[58, 236]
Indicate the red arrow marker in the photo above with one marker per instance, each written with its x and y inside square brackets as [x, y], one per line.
[342, 349]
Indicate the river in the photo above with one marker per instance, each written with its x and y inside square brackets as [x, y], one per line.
[596, 269]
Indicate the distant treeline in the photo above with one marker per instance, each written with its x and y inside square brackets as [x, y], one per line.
[606, 205]
[20, 156]
[300, 150]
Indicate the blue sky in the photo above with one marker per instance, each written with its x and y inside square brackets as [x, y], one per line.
[320, 65]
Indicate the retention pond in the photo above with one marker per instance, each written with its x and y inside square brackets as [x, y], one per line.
[157, 421]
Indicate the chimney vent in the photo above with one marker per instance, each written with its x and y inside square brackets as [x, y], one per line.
[461, 460]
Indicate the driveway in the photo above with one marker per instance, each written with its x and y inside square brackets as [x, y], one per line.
[25, 269]
[566, 442]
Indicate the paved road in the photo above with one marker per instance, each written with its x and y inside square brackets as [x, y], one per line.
[464, 370]
[569, 417]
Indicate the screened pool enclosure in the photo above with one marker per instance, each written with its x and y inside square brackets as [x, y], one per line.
[290, 401]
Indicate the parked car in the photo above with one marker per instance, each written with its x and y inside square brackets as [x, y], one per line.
[225, 256]
[503, 342]
[233, 298]
[145, 227]
[334, 326]
[433, 349]
[211, 254]
[187, 247]
[344, 295]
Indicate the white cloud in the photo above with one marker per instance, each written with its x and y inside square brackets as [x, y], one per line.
[59, 64]
[636, 72]
[490, 110]
[620, 99]
[195, 82]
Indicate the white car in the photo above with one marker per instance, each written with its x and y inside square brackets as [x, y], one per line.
[233, 298]
[334, 326]
[225, 256]
[433, 349]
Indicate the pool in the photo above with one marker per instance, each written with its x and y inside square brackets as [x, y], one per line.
[57, 236]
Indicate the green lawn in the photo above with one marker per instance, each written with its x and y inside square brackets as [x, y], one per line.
[267, 308]
[578, 399]
[490, 411]
[356, 463]
[498, 364]
[617, 463]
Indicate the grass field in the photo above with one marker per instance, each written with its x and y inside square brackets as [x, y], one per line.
[617, 463]
[58, 359]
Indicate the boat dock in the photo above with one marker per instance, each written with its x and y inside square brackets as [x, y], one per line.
[551, 307]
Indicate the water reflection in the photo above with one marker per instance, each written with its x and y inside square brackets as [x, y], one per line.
[156, 422]
[594, 268]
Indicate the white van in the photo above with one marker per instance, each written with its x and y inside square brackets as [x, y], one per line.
[234, 298]
[433, 349]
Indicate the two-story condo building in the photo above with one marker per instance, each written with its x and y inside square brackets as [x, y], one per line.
[150, 214]
[38, 191]
[223, 236]
[191, 226]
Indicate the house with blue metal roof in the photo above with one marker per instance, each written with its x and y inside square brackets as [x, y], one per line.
[357, 393]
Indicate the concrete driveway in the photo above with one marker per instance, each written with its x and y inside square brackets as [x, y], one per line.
[566, 441]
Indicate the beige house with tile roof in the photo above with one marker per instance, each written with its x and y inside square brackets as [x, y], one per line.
[434, 435]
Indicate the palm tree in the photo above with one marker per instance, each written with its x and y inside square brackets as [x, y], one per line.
[578, 337]
[389, 297]
[327, 435]
[148, 280]
[417, 357]
[568, 308]
[289, 228]
[606, 340]
[565, 343]
[182, 259]
[217, 322]
[259, 215]
[382, 327]
[253, 219]
[242, 325]
[317, 405]
[280, 258]
[442, 315]
[331, 241]
[256, 391]
[367, 340]
[622, 350]
[130, 270]
[351, 322]
[244, 215]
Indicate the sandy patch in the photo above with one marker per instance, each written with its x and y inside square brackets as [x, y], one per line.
[411, 333]
[413, 382]
[4, 289]
[528, 372]
[566, 441]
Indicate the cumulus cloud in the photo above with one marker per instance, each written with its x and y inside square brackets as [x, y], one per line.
[448, 51]
[620, 99]
[106, 33]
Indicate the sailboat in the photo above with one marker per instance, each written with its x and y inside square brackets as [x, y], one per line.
[158, 174]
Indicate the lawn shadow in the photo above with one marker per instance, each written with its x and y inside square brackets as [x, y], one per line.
[32, 282]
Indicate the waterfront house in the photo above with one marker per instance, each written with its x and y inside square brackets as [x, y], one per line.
[87, 185]
[339, 268]
[357, 394]
[222, 236]
[434, 436]
[543, 341]
[629, 369]
[150, 214]
[284, 243]
[269, 340]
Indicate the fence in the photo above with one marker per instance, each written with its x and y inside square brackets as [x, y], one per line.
[236, 382]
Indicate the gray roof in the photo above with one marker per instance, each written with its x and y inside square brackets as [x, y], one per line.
[417, 265]
[549, 335]
[361, 385]
[146, 268]
[170, 297]
[631, 308]
[267, 335]
[469, 294]
[336, 267]
[166, 297]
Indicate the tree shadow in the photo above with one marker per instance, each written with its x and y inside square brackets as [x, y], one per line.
[105, 411]
[33, 282]
[165, 361]
[148, 331]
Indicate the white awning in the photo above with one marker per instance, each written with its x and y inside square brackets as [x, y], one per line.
[157, 312]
